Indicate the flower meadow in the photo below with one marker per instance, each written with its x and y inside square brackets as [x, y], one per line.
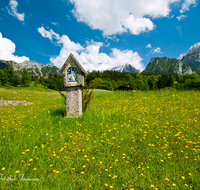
[124, 140]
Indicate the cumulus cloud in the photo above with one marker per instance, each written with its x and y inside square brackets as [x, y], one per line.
[118, 16]
[186, 5]
[148, 46]
[138, 25]
[7, 48]
[12, 10]
[181, 17]
[90, 55]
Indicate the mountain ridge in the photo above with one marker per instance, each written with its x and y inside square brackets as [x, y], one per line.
[33, 67]
[186, 63]
[165, 65]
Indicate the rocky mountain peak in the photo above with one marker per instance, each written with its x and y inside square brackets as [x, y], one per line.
[125, 68]
[195, 47]
[181, 56]
[129, 68]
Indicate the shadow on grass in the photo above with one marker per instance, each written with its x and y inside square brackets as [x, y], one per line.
[59, 112]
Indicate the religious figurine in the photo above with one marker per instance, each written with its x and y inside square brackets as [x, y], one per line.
[72, 75]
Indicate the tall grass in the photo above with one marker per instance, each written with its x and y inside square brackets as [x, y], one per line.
[125, 140]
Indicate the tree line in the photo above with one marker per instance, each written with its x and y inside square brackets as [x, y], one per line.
[108, 80]
[23, 79]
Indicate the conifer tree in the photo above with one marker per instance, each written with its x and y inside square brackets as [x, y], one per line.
[10, 74]
[3, 77]
[170, 81]
[25, 78]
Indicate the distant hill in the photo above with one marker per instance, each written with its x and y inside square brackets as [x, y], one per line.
[187, 63]
[34, 68]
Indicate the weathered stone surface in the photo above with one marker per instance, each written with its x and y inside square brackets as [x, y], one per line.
[15, 103]
[73, 101]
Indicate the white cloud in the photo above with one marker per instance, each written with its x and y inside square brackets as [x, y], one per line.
[108, 44]
[7, 48]
[186, 5]
[55, 23]
[181, 17]
[90, 56]
[148, 46]
[13, 10]
[153, 49]
[118, 16]
[48, 34]
[138, 25]
[114, 38]
[156, 50]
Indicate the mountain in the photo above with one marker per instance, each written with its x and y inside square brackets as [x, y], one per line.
[166, 66]
[125, 68]
[192, 58]
[187, 63]
[34, 68]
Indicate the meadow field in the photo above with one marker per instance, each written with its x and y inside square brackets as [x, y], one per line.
[125, 140]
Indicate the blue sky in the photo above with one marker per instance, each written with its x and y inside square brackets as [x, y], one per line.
[100, 33]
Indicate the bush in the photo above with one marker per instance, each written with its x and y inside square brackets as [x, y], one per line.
[87, 94]
[106, 85]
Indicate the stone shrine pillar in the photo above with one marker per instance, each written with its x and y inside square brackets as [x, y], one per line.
[73, 81]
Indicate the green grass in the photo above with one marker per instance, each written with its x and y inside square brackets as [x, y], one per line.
[31, 87]
[125, 140]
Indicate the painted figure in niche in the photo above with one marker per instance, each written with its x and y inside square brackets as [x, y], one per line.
[72, 75]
